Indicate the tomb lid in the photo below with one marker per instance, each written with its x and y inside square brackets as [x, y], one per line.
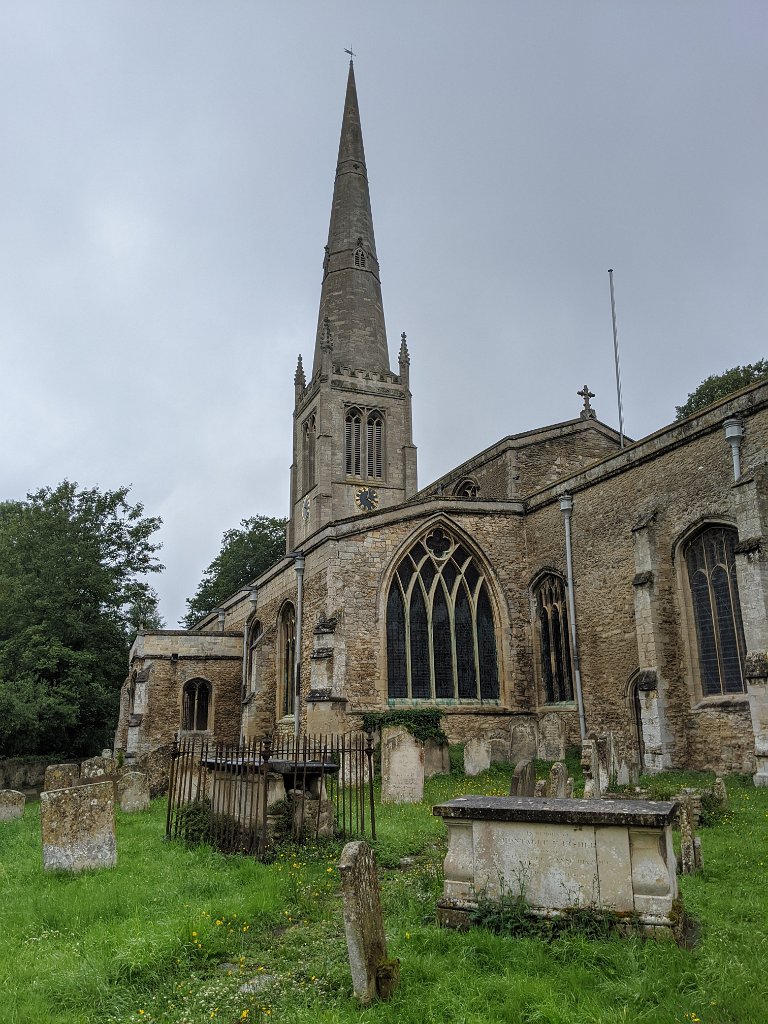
[643, 813]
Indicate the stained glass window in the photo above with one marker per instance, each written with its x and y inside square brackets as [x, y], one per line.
[554, 641]
[711, 565]
[444, 646]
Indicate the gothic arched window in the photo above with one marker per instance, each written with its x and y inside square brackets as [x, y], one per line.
[287, 656]
[711, 565]
[375, 445]
[310, 442]
[554, 638]
[196, 700]
[353, 442]
[467, 488]
[360, 259]
[441, 636]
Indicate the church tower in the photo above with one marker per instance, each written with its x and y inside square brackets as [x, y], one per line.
[353, 448]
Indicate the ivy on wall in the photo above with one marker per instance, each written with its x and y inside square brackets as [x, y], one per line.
[421, 723]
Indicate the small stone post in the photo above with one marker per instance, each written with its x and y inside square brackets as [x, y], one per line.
[373, 975]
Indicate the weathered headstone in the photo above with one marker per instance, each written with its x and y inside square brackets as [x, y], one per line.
[569, 788]
[558, 777]
[523, 779]
[552, 737]
[687, 857]
[106, 752]
[523, 741]
[477, 756]
[95, 768]
[500, 746]
[591, 769]
[402, 767]
[720, 793]
[372, 973]
[61, 776]
[437, 758]
[540, 789]
[11, 804]
[78, 827]
[133, 792]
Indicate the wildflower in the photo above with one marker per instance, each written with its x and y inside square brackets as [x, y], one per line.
[407, 935]
[194, 935]
[329, 871]
[244, 1015]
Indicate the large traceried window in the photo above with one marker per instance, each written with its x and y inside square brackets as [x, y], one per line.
[364, 444]
[441, 636]
[711, 565]
[287, 657]
[554, 638]
[196, 701]
[309, 446]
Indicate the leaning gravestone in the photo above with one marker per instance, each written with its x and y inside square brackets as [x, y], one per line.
[523, 779]
[477, 756]
[133, 792]
[402, 767]
[372, 973]
[558, 779]
[78, 827]
[61, 776]
[11, 804]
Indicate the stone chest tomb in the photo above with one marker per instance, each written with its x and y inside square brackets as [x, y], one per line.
[559, 854]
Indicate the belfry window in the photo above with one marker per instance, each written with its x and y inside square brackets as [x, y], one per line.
[720, 645]
[309, 447]
[196, 700]
[554, 639]
[360, 258]
[287, 656]
[364, 444]
[441, 636]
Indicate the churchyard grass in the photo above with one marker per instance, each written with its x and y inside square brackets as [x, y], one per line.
[172, 934]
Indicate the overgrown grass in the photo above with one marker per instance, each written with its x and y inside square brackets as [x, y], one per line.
[175, 933]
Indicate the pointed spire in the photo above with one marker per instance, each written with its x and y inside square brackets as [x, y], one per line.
[351, 291]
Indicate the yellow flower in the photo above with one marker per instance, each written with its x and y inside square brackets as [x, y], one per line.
[194, 935]
[244, 1015]
[407, 935]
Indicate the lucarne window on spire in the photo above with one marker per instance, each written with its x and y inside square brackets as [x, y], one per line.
[360, 258]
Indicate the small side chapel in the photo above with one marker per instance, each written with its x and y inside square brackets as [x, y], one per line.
[557, 581]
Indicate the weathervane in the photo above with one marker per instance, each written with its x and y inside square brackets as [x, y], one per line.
[349, 51]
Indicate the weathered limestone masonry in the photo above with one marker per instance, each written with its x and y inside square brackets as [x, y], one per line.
[161, 664]
[11, 804]
[559, 854]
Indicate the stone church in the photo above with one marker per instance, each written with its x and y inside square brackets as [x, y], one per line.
[560, 579]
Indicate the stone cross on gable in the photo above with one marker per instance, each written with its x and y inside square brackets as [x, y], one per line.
[587, 413]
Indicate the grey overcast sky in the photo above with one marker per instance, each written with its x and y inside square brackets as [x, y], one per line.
[164, 201]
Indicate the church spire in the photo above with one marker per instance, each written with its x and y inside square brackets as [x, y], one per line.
[350, 299]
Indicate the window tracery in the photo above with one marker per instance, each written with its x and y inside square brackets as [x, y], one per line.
[441, 635]
[196, 699]
[287, 657]
[309, 448]
[364, 448]
[554, 639]
[467, 488]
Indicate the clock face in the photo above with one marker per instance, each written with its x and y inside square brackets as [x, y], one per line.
[305, 510]
[366, 498]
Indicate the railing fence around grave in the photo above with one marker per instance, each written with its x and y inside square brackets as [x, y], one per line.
[239, 797]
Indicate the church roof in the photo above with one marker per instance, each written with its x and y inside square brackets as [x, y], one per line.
[350, 299]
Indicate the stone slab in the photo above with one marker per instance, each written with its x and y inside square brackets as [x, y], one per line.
[133, 792]
[11, 804]
[644, 813]
[523, 779]
[477, 756]
[363, 919]
[61, 776]
[78, 827]
[402, 767]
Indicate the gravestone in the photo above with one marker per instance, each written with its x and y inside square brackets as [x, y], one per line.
[591, 768]
[133, 792]
[95, 768]
[106, 752]
[523, 779]
[78, 827]
[569, 788]
[523, 740]
[477, 756]
[691, 858]
[372, 973]
[552, 736]
[500, 746]
[11, 804]
[402, 767]
[540, 789]
[61, 776]
[437, 758]
[558, 777]
[720, 793]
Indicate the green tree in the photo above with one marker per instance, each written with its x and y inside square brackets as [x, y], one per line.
[245, 554]
[71, 568]
[720, 385]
